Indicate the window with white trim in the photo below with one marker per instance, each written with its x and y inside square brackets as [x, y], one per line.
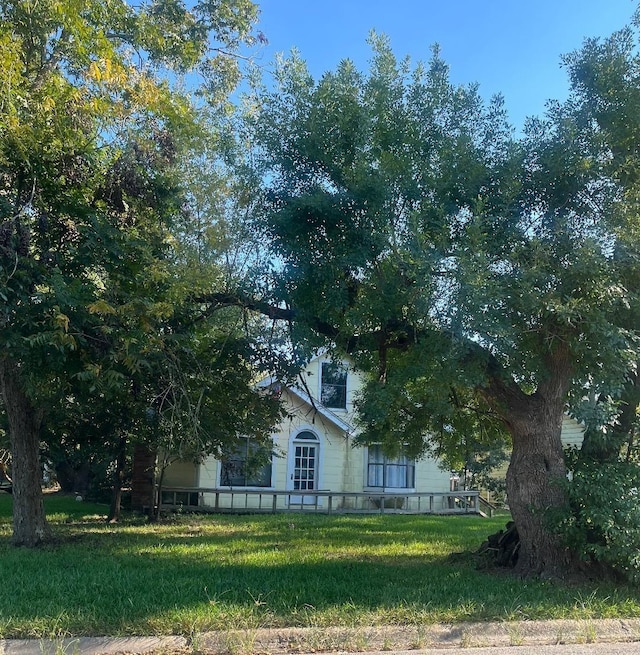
[247, 465]
[384, 472]
[333, 390]
[305, 458]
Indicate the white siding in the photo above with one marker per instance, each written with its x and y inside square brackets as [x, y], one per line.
[341, 467]
[572, 432]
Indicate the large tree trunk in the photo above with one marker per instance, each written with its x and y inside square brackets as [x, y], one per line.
[30, 527]
[534, 489]
[537, 469]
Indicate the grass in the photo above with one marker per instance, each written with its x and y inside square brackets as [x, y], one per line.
[193, 574]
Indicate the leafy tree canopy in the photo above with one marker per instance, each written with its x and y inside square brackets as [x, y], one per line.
[451, 258]
[95, 127]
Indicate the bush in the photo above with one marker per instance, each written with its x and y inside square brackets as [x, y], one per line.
[603, 523]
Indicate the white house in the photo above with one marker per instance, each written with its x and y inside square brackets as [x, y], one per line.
[314, 460]
[313, 452]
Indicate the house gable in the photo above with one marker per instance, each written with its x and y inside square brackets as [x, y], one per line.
[314, 444]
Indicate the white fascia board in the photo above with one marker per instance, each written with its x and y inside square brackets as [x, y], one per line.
[340, 423]
[322, 410]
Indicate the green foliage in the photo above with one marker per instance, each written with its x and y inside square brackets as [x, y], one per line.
[206, 397]
[454, 260]
[408, 216]
[91, 146]
[79, 443]
[97, 130]
[409, 409]
[477, 459]
[408, 402]
[603, 522]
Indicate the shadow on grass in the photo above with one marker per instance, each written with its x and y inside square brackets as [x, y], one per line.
[222, 572]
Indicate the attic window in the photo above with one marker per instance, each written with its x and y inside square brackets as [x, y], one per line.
[333, 393]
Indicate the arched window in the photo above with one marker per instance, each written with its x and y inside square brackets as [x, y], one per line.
[306, 435]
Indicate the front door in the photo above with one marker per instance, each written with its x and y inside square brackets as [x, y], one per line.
[303, 467]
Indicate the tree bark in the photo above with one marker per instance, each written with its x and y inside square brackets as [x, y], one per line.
[537, 468]
[142, 484]
[534, 490]
[30, 527]
[116, 493]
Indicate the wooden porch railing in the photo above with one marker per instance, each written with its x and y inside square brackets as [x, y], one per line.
[268, 500]
[486, 508]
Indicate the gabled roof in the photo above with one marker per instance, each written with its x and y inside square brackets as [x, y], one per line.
[296, 391]
[321, 409]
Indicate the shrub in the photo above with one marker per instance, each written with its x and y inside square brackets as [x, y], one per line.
[603, 522]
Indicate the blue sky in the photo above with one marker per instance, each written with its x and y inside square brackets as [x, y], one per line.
[511, 47]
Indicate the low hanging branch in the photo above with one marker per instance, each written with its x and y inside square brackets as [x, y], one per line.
[392, 336]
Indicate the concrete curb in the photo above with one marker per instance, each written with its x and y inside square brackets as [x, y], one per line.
[378, 639]
[92, 645]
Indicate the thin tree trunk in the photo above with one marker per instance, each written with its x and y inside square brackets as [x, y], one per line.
[30, 527]
[116, 495]
[142, 484]
[157, 493]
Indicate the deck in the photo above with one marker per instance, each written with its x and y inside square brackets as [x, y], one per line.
[218, 500]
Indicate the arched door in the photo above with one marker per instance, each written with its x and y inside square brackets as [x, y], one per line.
[303, 467]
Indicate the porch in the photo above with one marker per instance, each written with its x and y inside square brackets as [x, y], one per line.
[272, 501]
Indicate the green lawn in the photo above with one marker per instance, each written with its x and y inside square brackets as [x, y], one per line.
[214, 573]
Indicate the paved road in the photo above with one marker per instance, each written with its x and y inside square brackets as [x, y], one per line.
[165, 646]
[564, 649]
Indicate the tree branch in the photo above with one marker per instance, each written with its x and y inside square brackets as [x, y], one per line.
[500, 389]
[49, 64]
[218, 301]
